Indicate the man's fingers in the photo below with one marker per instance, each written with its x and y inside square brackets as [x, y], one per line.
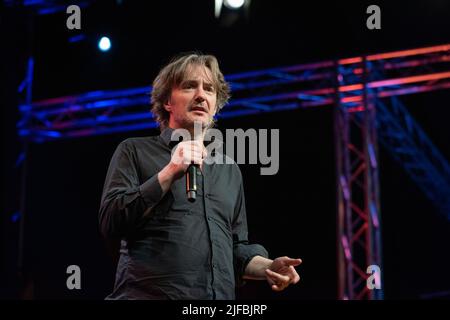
[194, 155]
[296, 277]
[286, 265]
[197, 145]
[276, 288]
[189, 152]
[196, 160]
[292, 262]
[198, 151]
[276, 277]
[279, 286]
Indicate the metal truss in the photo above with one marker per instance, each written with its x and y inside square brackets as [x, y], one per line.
[359, 115]
[358, 87]
[359, 221]
[301, 86]
[408, 144]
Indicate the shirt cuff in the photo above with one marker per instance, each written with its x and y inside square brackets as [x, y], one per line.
[245, 253]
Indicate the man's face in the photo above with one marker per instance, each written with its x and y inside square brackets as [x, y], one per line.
[194, 100]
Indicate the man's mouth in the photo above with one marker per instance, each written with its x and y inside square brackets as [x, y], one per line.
[197, 108]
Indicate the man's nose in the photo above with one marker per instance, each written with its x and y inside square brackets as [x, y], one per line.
[200, 95]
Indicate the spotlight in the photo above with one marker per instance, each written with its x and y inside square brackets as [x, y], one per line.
[104, 44]
[234, 4]
[231, 12]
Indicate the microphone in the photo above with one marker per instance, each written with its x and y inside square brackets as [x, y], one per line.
[191, 182]
[191, 172]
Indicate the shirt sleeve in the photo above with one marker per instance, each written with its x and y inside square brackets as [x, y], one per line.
[243, 251]
[124, 200]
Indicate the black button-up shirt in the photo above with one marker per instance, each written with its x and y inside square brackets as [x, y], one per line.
[172, 248]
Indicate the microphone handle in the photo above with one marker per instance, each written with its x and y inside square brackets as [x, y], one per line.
[191, 182]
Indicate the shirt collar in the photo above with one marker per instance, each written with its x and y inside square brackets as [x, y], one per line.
[166, 136]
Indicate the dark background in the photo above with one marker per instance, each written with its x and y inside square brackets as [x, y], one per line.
[292, 213]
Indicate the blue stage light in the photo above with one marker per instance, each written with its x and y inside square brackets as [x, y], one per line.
[104, 44]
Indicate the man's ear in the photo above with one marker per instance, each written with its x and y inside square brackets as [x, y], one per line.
[167, 106]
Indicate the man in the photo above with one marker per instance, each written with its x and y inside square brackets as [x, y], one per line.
[172, 248]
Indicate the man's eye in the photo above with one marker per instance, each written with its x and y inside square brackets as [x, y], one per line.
[189, 86]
